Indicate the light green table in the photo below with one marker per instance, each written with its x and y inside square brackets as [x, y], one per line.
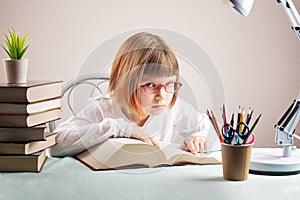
[67, 178]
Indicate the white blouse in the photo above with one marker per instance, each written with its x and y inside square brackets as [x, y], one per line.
[102, 119]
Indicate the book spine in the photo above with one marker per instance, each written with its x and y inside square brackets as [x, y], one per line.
[15, 95]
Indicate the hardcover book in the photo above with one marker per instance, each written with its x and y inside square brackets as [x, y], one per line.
[30, 108]
[29, 120]
[23, 163]
[32, 91]
[27, 147]
[118, 153]
[22, 134]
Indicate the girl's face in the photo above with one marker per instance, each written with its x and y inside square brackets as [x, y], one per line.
[153, 96]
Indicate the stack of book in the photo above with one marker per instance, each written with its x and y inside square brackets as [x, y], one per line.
[24, 111]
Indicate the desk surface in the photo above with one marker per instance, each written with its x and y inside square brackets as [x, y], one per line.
[67, 178]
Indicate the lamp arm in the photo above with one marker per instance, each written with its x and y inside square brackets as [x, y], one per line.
[292, 14]
[286, 126]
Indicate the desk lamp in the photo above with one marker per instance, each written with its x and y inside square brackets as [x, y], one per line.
[272, 161]
[242, 6]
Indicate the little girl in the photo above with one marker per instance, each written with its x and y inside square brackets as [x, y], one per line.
[143, 103]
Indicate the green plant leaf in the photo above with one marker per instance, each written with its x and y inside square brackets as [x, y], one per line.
[23, 40]
[15, 44]
[6, 51]
[23, 51]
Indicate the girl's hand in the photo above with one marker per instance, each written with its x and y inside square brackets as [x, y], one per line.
[194, 144]
[145, 139]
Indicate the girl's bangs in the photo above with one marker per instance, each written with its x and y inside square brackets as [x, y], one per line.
[158, 70]
[161, 64]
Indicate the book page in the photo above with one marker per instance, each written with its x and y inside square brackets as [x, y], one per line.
[175, 154]
[122, 152]
[104, 151]
[171, 149]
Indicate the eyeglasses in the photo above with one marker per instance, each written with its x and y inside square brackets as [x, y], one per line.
[152, 88]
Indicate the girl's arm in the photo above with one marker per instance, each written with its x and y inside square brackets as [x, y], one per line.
[189, 121]
[192, 125]
[86, 129]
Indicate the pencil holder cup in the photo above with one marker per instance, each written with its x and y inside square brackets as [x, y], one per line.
[236, 161]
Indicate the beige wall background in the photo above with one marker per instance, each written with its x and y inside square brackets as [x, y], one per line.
[257, 57]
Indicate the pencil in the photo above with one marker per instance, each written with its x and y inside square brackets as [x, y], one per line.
[249, 115]
[242, 119]
[224, 114]
[238, 119]
[254, 124]
[212, 122]
[232, 120]
[248, 118]
[217, 126]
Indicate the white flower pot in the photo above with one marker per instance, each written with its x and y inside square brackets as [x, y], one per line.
[16, 70]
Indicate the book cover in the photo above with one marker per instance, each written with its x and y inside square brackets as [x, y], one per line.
[30, 108]
[29, 120]
[118, 153]
[22, 134]
[32, 91]
[28, 147]
[23, 163]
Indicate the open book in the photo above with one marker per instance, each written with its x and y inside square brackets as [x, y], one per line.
[118, 153]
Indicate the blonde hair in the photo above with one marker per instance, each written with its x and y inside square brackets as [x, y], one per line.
[141, 54]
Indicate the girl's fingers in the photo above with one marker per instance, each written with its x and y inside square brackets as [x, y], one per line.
[191, 145]
[194, 144]
[155, 143]
[184, 146]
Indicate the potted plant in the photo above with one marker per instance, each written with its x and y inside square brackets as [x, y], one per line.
[16, 66]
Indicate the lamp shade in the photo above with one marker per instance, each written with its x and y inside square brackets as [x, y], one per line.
[242, 6]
